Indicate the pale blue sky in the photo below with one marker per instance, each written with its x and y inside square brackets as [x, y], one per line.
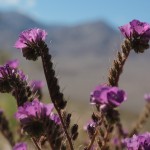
[70, 12]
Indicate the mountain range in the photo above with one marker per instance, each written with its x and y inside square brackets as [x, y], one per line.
[92, 37]
[82, 53]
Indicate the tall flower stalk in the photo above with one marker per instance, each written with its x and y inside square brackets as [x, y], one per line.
[106, 98]
[38, 120]
[32, 44]
[54, 89]
[114, 75]
[137, 36]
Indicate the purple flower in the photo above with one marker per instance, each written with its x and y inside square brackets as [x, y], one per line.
[13, 63]
[147, 97]
[96, 95]
[14, 81]
[30, 36]
[34, 117]
[20, 146]
[136, 29]
[90, 128]
[5, 75]
[34, 109]
[10, 68]
[138, 142]
[90, 123]
[106, 95]
[8, 76]
[137, 32]
[4, 68]
[29, 41]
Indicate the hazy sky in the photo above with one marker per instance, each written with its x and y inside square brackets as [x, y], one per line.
[117, 12]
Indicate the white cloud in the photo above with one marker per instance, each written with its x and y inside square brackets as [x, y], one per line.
[17, 3]
[9, 2]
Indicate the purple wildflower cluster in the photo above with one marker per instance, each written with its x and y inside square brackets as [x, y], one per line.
[139, 33]
[29, 37]
[8, 73]
[107, 96]
[136, 29]
[14, 81]
[138, 142]
[35, 110]
[33, 116]
[29, 41]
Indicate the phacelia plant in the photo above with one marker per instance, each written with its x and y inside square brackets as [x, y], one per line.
[50, 126]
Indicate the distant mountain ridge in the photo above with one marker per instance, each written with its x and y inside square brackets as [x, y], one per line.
[82, 54]
[93, 37]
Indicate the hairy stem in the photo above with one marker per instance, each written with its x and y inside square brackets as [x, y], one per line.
[116, 70]
[53, 87]
[118, 64]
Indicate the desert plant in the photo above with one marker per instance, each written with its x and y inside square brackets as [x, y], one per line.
[38, 120]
